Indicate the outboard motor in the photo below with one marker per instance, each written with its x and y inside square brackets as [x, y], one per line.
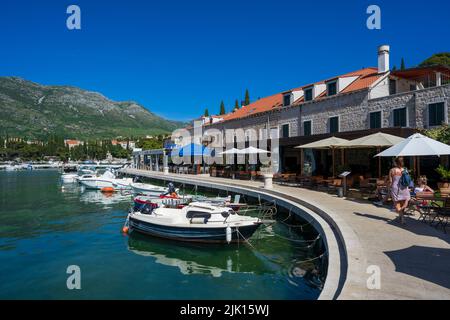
[147, 209]
[171, 188]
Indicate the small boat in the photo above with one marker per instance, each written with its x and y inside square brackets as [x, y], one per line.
[69, 177]
[106, 180]
[198, 222]
[150, 189]
[11, 168]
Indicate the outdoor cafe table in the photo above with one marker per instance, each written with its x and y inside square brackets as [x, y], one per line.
[432, 203]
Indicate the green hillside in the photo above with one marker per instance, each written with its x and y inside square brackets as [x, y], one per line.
[31, 110]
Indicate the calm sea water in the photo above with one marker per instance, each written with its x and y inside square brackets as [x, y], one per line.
[45, 227]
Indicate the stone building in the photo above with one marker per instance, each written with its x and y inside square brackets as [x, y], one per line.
[350, 106]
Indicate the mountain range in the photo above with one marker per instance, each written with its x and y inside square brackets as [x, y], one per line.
[32, 110]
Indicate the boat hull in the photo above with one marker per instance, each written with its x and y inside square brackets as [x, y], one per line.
[149, 190]
[69, 178]
[191, 234]
[98, 184]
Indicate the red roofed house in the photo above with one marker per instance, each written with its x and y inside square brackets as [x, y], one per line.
[72, 143]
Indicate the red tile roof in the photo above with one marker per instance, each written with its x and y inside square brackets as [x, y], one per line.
[265, 104]
[366, 78]
[72, 142]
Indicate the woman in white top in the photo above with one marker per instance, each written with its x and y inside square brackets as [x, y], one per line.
[422, 185]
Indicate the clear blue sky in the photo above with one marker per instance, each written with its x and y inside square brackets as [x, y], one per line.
[179, 57]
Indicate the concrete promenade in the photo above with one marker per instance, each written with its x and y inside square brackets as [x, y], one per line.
[414, 260]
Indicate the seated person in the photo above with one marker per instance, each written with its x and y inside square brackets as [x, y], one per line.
[422, 185]
[422, 188]
[382, 193]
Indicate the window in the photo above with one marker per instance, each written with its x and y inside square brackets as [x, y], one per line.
[334, 124]
[392, 86]
[286, 100]
[274, 133]
[308, 94]
[285, 130]
[400, 117]
[332, 88]
[436, 114]
[375, 120]
[307, 129]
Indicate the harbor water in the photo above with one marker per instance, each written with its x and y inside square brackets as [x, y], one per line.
[46, 226]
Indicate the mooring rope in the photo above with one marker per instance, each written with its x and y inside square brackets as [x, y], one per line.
[274, 260]
[298, 241]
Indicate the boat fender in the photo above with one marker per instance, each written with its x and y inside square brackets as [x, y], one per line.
[228, 234]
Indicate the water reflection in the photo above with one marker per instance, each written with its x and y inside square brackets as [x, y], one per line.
[105, 199]
[203, 259]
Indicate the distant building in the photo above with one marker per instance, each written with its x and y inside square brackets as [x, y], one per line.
[72, 143]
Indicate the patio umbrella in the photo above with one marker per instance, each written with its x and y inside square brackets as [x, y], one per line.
[328, 143]
[192, 149]
[323, 144]
[253, 150]
[232, 151]
[415, 146]
[377, 140]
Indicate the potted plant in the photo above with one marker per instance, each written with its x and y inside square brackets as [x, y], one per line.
[445, 176]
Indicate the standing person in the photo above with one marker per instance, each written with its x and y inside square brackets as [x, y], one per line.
[399, 192]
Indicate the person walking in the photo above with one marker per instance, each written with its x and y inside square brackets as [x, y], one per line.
[399, 181]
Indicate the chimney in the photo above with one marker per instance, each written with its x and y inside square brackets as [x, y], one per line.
[383, 59]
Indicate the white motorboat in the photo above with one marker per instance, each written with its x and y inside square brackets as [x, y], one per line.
[11, 168]
[69, 177]
[200, 222]
[149, 189]
[106, 180]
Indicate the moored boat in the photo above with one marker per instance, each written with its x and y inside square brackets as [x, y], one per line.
[106, 180]
[149, 189]
[69, 177]
[199, 222]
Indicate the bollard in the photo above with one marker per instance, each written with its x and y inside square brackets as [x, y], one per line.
[268, 181]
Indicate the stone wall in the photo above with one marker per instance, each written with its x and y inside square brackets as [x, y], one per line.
[416, 103]
[350, 108]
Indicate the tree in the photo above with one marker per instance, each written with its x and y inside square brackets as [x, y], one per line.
[394, 68]
[236, 104]
[402, 65]
[247, 98]
[438, 58]
[222, 108]
[206, 112]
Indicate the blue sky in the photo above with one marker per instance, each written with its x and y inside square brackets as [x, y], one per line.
[179, 57]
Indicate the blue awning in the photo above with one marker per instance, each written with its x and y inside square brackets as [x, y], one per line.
[191, 149]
